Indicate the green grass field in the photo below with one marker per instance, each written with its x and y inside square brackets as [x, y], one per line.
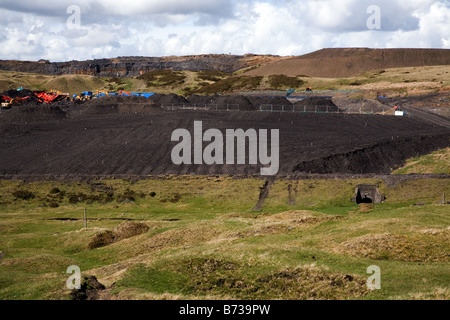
[205, 242]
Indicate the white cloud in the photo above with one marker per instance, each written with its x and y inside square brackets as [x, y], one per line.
[37, 29]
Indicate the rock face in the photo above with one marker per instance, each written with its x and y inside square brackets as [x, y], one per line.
[130, 66]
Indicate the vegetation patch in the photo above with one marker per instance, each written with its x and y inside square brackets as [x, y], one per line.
[437, 162]
[206, 276]
[281, 81]
[231, 84]
[211, 75]
[163, 78]
[23, 194]
[415, 248]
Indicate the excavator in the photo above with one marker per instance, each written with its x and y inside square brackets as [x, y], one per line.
[123, 93]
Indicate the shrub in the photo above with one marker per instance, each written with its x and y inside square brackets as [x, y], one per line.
[211, 75]
[23, 194]
[77, 197]
[162, 78]
[231, 84]
[281, 81]
[55, 191]
[128, 195]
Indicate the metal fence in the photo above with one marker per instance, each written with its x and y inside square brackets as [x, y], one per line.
[216, 107]
[275, 108]
[300, 109]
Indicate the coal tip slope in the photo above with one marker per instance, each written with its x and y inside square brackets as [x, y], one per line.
[134, 138]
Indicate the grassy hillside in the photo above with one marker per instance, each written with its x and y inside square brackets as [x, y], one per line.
[437, 162]
[389, 82]
[205, 242]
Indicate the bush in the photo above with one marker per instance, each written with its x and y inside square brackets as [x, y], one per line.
[23, 194]
[74, 198]
[163, 78]
[128, 195]
[285, 82]
[55, 191]
[211, 75]
[231, 84]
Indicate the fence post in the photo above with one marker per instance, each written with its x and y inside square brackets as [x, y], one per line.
[85, 220]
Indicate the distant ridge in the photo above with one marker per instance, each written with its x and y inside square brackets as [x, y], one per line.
[349, 62]
[135, 66]
[325, 63]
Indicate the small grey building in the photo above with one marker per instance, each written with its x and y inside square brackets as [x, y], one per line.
[367, 193]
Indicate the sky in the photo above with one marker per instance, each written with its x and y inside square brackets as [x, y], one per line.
[66, 30]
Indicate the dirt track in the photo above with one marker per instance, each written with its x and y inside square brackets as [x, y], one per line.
[137, 141]
[421, 107]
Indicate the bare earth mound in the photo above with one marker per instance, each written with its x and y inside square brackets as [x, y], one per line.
[349, 62]
[421, 248]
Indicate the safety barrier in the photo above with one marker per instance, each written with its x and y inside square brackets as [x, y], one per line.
[273, 108]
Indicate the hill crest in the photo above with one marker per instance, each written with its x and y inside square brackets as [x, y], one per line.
[350, 62]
